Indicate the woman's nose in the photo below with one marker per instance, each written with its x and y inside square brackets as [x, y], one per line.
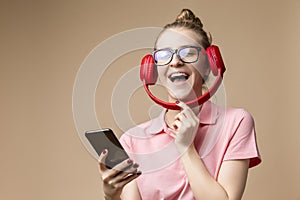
[175, 62]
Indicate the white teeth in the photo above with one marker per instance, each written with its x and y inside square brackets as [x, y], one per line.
[178, 76]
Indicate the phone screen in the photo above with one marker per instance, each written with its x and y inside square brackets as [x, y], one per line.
[106, 139]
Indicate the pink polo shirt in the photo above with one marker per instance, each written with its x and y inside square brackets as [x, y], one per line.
[223, 134]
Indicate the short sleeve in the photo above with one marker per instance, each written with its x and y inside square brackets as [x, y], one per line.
[243, 144]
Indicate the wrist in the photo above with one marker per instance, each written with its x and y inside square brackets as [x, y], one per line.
[183, 149]
[111, 198]
[112, 195]
[189, 152]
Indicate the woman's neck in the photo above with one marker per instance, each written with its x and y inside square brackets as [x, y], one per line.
[170, 114]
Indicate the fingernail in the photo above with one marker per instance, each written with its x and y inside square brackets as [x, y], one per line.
[177, 102]
[175, 126]
[104, 151]
[135, 165]
[129, 161]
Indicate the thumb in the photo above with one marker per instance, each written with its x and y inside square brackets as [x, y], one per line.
[102, 159]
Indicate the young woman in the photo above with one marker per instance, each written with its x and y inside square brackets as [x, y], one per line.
[214, 146]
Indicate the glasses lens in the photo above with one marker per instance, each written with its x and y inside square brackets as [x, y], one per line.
[188, 54]
[162, 57]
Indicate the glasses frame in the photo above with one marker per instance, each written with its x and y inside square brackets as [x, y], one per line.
[175, 51]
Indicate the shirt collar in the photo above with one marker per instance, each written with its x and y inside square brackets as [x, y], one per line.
[208, 115]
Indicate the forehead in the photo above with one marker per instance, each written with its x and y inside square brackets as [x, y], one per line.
[174, 38]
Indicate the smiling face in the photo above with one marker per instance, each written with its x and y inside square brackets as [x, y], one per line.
[182, 80]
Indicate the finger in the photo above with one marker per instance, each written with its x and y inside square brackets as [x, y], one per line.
[182, 105]
[187, 111]
[179, 116]
[120, 168]
[176, 125]
[117, 170]
[189, 114]
[102, 159]
[124, 165]
[129, 179]
[123, 174]
[185, 118]
[185, 107]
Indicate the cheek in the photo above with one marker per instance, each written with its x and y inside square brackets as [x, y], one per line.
[202, 67]
[162, 73]
[198, 72]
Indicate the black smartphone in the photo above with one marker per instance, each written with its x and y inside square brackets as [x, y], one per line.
[106, 139]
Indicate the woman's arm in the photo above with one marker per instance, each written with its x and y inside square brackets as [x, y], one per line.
[131, 191]
[115, 179]
[231, 180]
[233, 174]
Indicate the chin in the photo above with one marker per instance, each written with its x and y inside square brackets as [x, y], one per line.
[184, 94]
[182, 89]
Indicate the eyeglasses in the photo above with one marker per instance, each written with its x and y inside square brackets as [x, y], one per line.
[187, 54]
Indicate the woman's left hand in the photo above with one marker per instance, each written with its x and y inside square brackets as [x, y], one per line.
[185, 127]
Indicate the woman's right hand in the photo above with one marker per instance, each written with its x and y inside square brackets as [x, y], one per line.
[116, 178]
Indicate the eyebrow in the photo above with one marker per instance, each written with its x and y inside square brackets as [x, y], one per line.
[198, 45]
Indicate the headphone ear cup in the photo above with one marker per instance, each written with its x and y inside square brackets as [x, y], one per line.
[212, 59]
[148, 70]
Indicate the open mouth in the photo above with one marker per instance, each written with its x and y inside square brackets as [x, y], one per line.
[179, 76]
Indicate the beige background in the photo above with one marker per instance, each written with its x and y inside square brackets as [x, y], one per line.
[43, 44]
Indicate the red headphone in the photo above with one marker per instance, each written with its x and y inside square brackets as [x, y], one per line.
[148, 75]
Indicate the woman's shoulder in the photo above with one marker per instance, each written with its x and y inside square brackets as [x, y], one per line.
[225, 113]
[230, 112]
[145, 128]
[235, 116]
[238, 120]
[139, 132]
[239, 113]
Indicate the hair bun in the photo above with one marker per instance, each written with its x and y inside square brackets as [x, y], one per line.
[187, 16]
[187, 19]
